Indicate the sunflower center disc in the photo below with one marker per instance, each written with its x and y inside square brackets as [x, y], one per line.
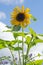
[20, 17]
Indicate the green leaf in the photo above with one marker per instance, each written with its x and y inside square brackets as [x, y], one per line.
[8, 26]
[15, 34]
[10, 43]
[15, 48]
[33, 43]
[32, 32]
[2, 46]
[7, 43]
[38, 41]
[1, 41]
[21, 34]
[19, 41]
[33, 18]
[37, 62]
[28, 39]
[39, 54]
[5, 57]
[40, 35]
[7, 31]
[16, 28]
[13, 42]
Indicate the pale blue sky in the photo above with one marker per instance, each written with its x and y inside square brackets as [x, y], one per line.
[36, 7]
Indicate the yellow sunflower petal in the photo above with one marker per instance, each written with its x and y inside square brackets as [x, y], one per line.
[28, 22]
[13, 22]
[27, 10]
[17, 9]
[23, 17]
[28, 15]
[22, 9]
[23, 24]
[13, 14]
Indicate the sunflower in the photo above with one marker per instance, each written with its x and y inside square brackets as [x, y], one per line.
[20, 16]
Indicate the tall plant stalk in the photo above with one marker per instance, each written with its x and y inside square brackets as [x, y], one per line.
[19, 56]
[22, 48]
[28, 48]
[12, 55]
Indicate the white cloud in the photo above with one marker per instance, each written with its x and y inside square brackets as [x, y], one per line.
[11, 2]
[21, 1]
[3, 27]
[2, 15]
[6, 1]
[5, 35]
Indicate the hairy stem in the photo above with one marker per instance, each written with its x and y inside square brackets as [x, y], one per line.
[28, 48]
[19, 56]
[22, 48]
[12, 57]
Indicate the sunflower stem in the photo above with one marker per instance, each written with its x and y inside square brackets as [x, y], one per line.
[28, 48]
[12, 57]
[22, 49]
[19, 56]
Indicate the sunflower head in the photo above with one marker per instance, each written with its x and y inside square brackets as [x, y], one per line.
[20, 16]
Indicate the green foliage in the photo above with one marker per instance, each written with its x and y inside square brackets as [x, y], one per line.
[32, 32]
[28, 39]
[4, 57]
[5, 44]
[19, 41]
[15, 48]
[22, 34]
[33, 18]
[38, 41]
[8, 26]
[13, 28]
[40, 35]
[2, 45]
[9, 44]
[39, 54]
[7, 31]
[37, 62]
[16, 28]
[16, 34]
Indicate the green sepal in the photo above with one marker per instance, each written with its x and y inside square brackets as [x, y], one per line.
[16, 28]
[33, 18]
